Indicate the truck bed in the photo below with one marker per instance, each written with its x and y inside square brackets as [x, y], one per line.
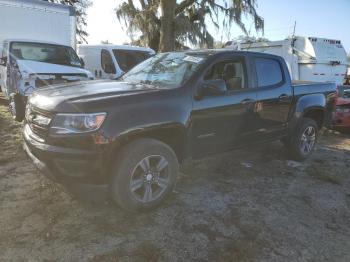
[307, 87]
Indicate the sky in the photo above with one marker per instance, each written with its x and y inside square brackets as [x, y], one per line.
[318, 18]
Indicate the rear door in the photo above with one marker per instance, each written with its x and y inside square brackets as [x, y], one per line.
[221, 122]
[274, 96]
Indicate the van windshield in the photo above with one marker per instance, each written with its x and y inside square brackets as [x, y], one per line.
[47, 53]
[127, 59]
[166, 70]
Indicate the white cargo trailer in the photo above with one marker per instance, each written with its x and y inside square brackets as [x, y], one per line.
[308, 58]
[37, 42]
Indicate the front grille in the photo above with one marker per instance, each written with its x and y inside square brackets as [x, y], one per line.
[32, 116]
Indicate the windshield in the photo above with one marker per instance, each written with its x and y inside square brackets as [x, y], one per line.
[47, 53]
[168, 69]
[127, 59]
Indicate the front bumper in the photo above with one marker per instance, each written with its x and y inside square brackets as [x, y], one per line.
[80, 171]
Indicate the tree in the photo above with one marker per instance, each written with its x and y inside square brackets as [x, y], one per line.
[167, 29]
[80, 9]
[169, 24]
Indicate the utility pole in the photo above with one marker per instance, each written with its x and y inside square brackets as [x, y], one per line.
[295, 25]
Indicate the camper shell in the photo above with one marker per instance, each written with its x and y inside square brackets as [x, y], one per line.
[308, 58]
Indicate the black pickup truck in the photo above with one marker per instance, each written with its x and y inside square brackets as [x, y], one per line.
[128, 136]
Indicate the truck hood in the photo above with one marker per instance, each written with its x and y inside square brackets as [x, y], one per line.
[48, 98]
[28, 67]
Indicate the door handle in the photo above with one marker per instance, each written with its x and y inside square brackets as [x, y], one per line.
[247, 101]
[283, 97]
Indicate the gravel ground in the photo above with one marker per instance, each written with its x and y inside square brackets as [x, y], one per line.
[248, 205]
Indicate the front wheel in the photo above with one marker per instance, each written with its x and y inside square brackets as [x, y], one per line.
[302, 143]
[144, 174]
[17, 106]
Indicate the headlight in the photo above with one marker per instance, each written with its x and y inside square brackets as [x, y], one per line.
[342, 109]
[76, 123]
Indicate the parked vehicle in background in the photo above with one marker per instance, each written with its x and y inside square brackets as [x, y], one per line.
[111, 61]
[347, 78]
[308, 58]
[37, 42]
[341, 114]
[127, 136]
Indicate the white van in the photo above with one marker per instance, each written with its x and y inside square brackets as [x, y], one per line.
[308, 58]
[111, 61]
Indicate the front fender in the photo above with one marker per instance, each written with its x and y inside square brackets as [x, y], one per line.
[172, 134]
[172, 129]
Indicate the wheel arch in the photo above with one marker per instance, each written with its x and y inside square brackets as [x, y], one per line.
[312, 106]
[173, 134]
[316, 113]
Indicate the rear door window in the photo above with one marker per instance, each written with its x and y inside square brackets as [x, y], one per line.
[127, 59]
[269, 72]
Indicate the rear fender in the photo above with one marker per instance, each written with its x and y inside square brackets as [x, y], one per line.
[304, 106]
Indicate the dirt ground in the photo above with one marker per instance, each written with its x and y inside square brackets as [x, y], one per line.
[249, 205]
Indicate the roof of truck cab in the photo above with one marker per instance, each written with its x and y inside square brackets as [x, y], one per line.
[227, 51]
[119, 47]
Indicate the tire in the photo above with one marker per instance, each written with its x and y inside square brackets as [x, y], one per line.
[138, 186]
[302, 143]
[17, 107]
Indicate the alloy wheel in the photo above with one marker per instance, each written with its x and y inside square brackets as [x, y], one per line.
[150, 178]
[308, 140]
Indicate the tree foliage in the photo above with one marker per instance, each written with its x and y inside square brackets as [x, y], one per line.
[80, 9]
[190, 20]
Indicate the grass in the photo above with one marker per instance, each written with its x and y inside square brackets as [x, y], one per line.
[10, 138]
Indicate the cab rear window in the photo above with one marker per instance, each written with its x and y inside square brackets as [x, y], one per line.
[269, 72]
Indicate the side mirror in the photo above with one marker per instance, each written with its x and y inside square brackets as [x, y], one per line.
[211, 88]
[3, 61]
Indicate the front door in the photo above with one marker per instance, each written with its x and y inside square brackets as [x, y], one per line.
[219, 121]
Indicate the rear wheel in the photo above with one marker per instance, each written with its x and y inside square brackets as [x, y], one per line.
[144, 175]
[301, 145]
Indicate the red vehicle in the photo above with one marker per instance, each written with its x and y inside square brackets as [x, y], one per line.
[341, 115]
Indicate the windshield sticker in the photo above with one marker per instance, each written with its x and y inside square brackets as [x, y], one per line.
[193, 59]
